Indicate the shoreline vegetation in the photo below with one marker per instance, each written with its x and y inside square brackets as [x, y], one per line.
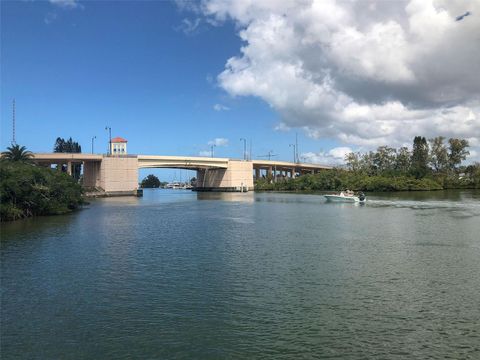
[431, 165]
[28, 190]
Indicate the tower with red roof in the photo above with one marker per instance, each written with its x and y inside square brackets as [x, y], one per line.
[118, 146]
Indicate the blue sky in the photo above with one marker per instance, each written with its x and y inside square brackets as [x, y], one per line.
[129, 65]
[171, 77]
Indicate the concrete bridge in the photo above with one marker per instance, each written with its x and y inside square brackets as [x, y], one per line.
[118, 175]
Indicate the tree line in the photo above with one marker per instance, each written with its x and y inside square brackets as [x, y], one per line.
[432, 164]
[426, 158]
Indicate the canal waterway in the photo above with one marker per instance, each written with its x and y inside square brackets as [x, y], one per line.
[185, 275]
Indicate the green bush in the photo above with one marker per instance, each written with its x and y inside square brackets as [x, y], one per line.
[29, 190]
[338, 179]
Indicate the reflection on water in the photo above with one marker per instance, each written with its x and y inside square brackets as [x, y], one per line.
[245, 276]
[226, 196]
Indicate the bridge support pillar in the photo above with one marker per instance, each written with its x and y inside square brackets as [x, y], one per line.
[91, 174]
[119, 175]
[238, 176]
[269, 172]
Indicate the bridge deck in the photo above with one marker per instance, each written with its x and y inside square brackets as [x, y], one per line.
[264, 164]
[182, 162]
[53, 157]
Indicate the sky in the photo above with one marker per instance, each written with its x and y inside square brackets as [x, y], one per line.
[175, 77]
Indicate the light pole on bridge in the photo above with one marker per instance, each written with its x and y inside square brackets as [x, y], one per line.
[294, 152]
[110, 139]
[212, 149]
[244, 148]
[93, 138]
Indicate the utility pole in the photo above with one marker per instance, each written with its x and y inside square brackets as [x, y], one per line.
[93, 138]
[244, 148]
[110, 139]
[212, 149]
[13, 121]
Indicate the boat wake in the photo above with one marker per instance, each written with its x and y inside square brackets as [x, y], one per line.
[458, 209]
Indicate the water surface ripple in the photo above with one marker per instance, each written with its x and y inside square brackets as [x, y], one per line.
[182, 275]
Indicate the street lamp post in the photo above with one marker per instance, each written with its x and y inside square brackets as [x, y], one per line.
[294, 152]
[93, 138]
[212, 149]
[110, 139]
[244, 148]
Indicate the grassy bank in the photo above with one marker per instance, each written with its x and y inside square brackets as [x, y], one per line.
[28, 190]
[339, 179]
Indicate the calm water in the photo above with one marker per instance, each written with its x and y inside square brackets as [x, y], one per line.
[182, 275]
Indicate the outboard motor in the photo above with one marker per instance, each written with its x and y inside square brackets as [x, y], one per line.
[361, 196]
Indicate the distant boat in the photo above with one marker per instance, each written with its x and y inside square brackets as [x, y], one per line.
[347, 196]
[178, 186]
[173, 185]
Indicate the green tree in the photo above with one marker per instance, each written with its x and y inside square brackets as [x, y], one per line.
[419, 167]
[384, 159]
[438, 157]
[151, 181]
[473, 173]
[457, 152]
[17, 153]
[367, 163]
[403, 160]
[69, 146]
[29, 190]
[353, 161]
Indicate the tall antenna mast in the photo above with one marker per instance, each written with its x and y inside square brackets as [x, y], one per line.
[13, 121]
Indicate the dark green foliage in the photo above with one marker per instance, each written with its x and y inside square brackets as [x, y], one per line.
[438, 154]
[339, 179]
[151, 181]
[69, 146]
[472, 172]
[419, 166]
[29, 190]
[458, 152]
[17, 153]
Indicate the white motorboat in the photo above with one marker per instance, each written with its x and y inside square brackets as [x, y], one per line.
[347, 196]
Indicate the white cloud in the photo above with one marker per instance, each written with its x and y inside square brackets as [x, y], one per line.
[189, 27]
[66, 4]
[220, 107]
[218, 142]
[335, 156]
[282, 127]
[50, 17]
[365, 74]
[205, 153]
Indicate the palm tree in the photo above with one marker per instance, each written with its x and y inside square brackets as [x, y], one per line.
[17, 153]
